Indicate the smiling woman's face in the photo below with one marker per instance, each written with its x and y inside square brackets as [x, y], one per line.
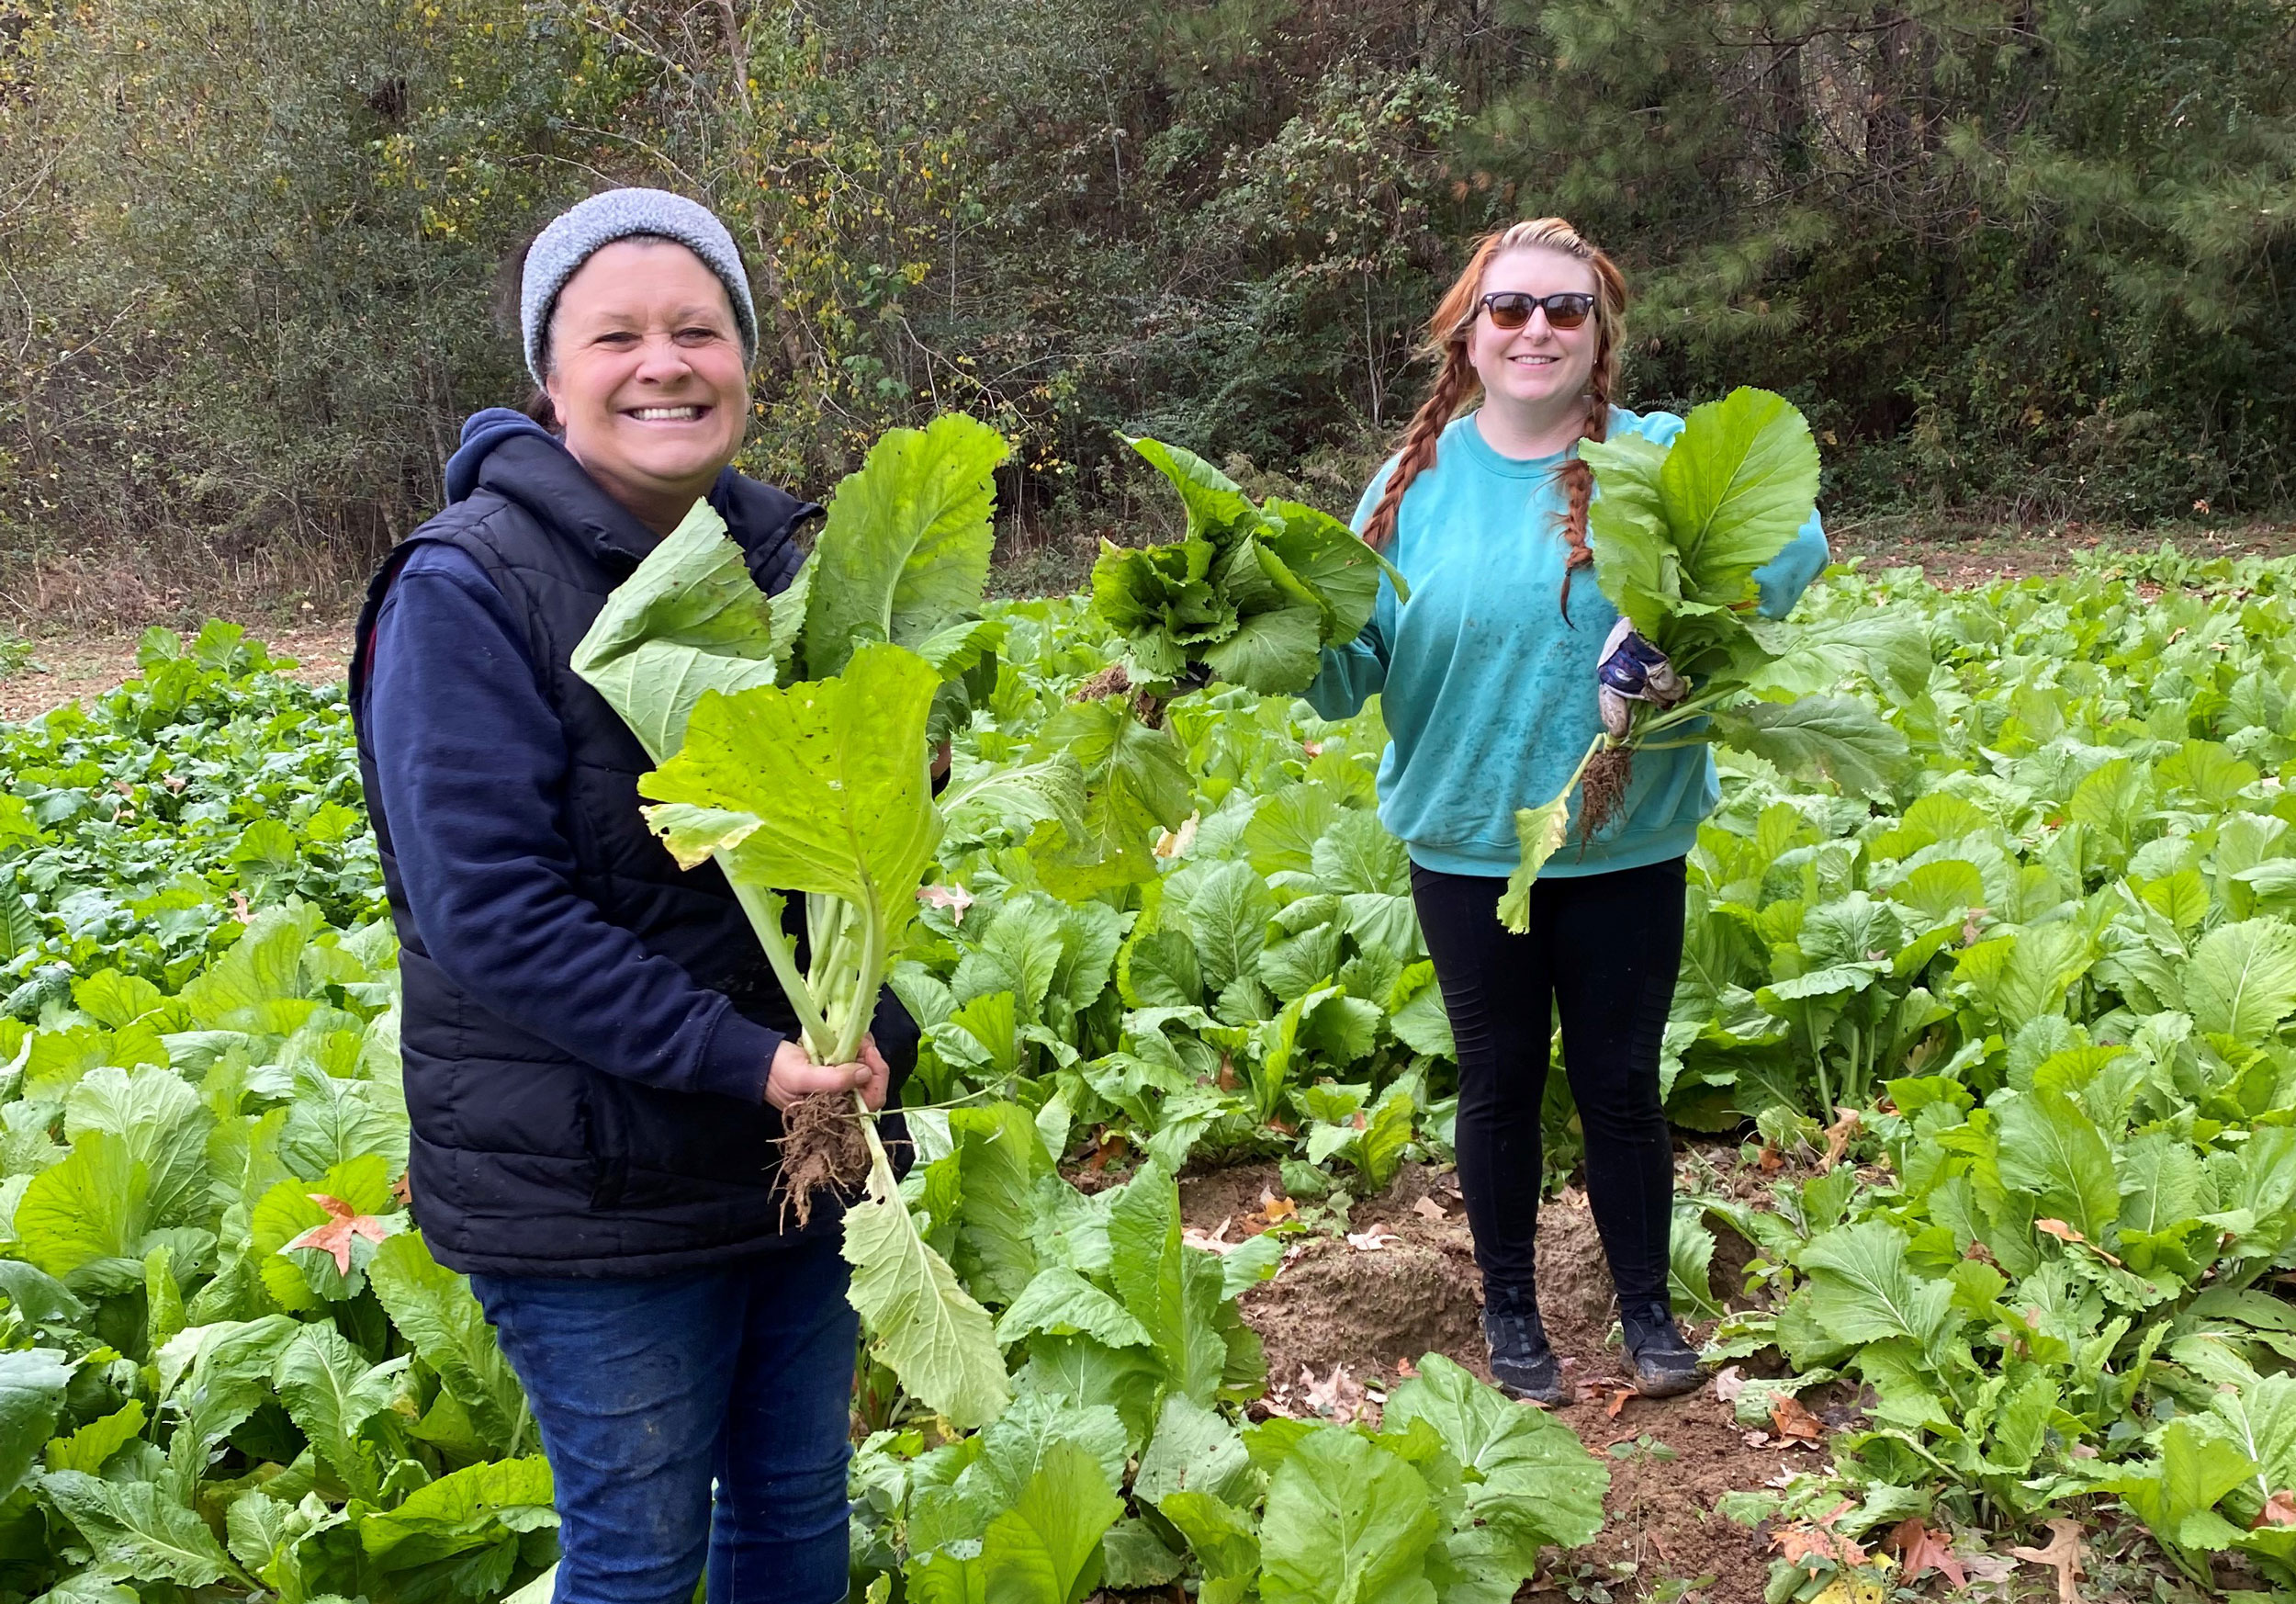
[647, 375]
[1537, 367]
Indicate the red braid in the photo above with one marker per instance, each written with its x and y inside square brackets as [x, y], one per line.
[1453, 386]
[1578, 488]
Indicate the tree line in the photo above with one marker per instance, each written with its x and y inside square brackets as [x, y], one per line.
[2025, 258]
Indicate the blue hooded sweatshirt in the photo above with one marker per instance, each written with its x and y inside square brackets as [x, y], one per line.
[1487, 690]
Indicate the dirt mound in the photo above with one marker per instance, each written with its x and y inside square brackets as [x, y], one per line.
[1402, 1282]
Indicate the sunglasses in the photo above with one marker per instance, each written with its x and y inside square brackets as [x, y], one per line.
[1511, 309]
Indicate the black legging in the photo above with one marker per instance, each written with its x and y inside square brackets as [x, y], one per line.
[1605, 950]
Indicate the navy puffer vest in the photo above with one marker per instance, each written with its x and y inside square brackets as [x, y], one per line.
[524, 1160]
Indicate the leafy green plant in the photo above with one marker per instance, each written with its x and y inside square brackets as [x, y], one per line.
[1681, 530]
[1250, 594]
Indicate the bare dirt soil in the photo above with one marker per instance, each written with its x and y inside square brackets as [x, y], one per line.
[1958, 556]
[74, 667]
[1401, 1282]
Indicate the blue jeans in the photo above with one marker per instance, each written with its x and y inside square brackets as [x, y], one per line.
[648, 1390]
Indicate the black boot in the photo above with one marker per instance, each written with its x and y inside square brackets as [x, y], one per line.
[1665, 1366]
[1521, 1362]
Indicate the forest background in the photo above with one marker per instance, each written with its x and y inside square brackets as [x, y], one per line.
[2026, 260]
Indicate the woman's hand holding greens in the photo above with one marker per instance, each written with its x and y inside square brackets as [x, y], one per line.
[794, 1074]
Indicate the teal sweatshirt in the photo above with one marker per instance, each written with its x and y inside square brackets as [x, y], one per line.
[1489, 696]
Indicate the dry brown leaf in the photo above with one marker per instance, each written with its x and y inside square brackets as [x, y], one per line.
[1371, 1241]
[1613, 1395]
[1798, 1542]
[1405, 1369]
[1771, 1161]
[2279, 1509]
[1793, 1419]
[1210, 1242]
[332, 1236]
[1227, 1079]
[1426, 1208]
[1970, 928]
[1111, 1143]
[1918, 1549]
[1274, 1209]
[2064, 1233]
[1338, 1394]
[1729, 1383]
[1839, 1137]
[2062, 1555]
[240, 910]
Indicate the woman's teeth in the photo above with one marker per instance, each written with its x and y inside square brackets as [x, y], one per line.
[667, 414]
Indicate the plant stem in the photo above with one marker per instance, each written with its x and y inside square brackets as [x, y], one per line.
[764, 910]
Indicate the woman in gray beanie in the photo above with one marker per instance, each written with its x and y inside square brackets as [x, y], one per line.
[596, 1055]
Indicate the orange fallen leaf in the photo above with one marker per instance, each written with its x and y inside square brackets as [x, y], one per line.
[1793, 1419]
[332, 1236]
[1405, 1369]
[1613, 1395]
[1838, 1138]
[1770, 1159]
[2064, 1233]
[1796, 1544]
[1111, 1143]
[2279, 1509]
[1918, 1549]
[2062, 1555]
[1275, 1210]
[1228, 1082]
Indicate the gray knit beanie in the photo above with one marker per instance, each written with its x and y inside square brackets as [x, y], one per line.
[617, 214]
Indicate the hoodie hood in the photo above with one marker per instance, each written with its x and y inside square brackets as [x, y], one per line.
[482, 433]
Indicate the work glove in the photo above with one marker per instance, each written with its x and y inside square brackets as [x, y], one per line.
[1632, 669]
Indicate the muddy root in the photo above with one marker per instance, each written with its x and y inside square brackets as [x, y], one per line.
[1112, 681]
[822, 1150]
[1603, 789]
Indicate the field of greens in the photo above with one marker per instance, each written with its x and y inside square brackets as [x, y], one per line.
[2007, 1050]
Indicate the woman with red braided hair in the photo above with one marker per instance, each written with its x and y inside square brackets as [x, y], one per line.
[1488, 679]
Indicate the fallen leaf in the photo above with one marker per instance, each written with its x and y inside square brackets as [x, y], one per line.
[1371, 1241]
[1970, 927]
[1612, 1395]
[1793, 1420]
[1314, 749]
[2062, 1555]
[1757, 1439]
[1729, 1383]
[2279, 1509]
[1175, 843]
[1111, 1143]
[955, 899]
[1838, 1138]
[1275, 1210]
[1213, 1242]
[1988, 1567]
[1405, 1369]
[240, 910]
[1798, 1542]
[332, 1236]
[1227, 1080]
[1338, 1394]
[2064, 1233]
[1770, 1160]
[1426, 1208]
[1918, 1549]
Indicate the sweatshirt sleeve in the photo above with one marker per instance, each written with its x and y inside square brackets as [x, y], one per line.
[1785, 576]
[1353, 674]
[472, 766]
